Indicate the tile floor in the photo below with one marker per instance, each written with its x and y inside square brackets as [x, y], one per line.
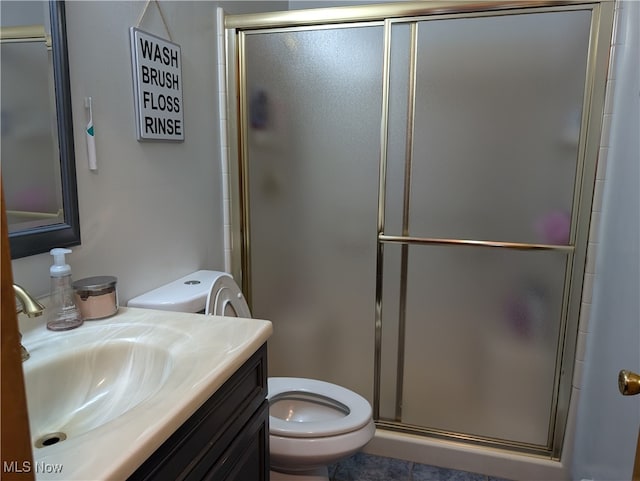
[366, 467]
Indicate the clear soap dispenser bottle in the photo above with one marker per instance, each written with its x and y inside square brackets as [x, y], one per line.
[63, 312]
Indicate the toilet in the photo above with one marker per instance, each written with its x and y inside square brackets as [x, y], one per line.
[312, 423]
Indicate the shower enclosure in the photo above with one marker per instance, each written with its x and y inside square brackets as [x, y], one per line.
[414, 184]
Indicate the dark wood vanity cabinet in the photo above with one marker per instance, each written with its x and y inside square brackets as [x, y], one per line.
[227, 439]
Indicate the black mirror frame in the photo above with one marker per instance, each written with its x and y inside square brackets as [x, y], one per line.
[42, 239]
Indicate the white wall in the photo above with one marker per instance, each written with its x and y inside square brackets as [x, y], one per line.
[153, 211]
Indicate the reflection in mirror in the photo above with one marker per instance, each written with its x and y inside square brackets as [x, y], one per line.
[28, 129]
[38, 165]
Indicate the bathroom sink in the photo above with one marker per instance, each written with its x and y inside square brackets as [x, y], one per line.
[78, 390]
[103, 397]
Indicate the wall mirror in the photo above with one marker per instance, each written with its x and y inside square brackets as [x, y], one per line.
[37, 151]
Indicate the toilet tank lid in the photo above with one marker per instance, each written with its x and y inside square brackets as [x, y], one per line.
[187, 294]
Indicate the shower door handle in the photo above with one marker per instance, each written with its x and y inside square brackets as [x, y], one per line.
[628, 383]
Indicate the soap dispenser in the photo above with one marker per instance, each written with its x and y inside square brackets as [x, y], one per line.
[63, 312]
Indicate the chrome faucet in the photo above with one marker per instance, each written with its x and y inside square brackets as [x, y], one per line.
[30, 307]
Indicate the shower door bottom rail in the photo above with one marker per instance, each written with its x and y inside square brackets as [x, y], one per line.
[466, 439]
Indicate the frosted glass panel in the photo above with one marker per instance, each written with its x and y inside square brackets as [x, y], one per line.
[481, 338]
[313, 156]
[498, 109]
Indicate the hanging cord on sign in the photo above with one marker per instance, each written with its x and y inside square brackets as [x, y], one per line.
[144, 12]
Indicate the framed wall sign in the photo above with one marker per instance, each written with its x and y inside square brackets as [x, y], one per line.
[157, 87]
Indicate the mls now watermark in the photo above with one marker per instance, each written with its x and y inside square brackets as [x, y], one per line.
[29, 467]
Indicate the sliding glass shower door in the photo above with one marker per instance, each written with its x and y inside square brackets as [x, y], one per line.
[312, 143]
[484, 125]
[415, 196]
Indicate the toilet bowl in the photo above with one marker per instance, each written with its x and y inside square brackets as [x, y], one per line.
[312, 423]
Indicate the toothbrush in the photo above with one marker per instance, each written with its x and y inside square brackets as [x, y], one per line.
[91, 141]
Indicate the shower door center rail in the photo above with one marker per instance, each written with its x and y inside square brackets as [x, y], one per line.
[486, 167]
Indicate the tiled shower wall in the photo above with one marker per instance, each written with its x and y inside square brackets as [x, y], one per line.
[596, 210]
[224, 141]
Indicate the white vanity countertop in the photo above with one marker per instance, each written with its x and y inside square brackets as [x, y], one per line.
[203, 352]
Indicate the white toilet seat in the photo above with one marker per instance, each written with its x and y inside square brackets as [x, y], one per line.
[357, 416]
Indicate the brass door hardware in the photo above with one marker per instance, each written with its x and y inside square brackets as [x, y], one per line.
[628, 383]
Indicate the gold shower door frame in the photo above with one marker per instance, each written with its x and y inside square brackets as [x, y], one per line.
[602, 12]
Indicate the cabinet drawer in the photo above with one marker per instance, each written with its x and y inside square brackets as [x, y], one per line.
[200, 442]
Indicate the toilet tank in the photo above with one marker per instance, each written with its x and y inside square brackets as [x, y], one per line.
[187, 294]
